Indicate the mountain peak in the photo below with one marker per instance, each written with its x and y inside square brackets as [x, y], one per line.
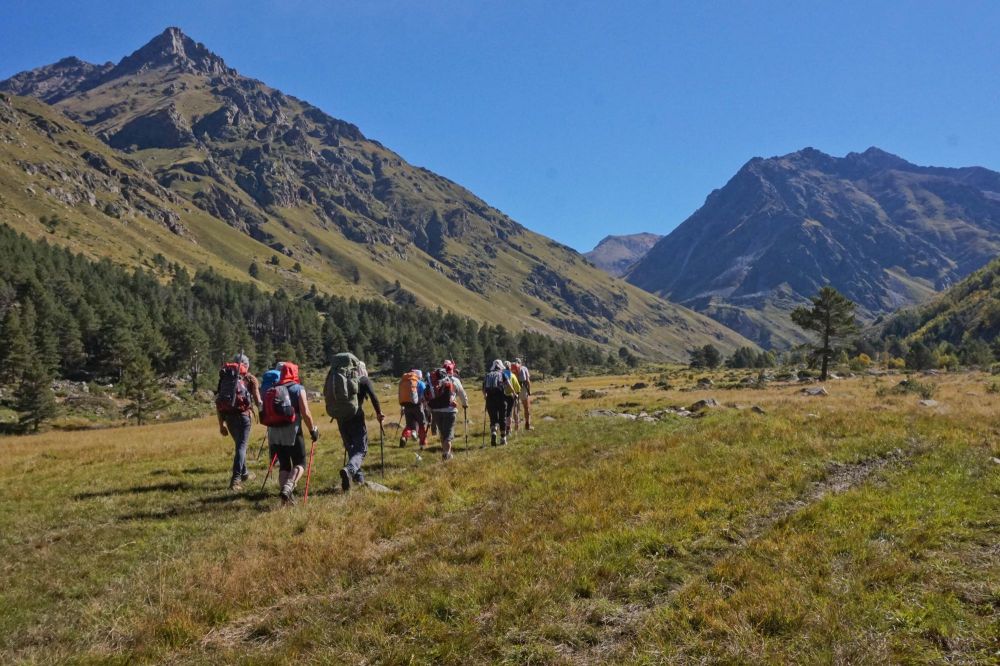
[173, 49]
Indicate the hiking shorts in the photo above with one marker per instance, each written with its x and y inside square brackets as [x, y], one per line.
[445, 422]
[288, 442]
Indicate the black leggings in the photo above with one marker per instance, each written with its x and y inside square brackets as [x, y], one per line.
[292, 456]
[496, 406]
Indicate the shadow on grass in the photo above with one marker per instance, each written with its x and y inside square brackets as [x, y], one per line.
[256, 501]
[136, 490]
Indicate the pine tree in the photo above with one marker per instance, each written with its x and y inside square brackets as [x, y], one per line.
[832, 317]
[36, 403]
[142, 389]
[15, 353]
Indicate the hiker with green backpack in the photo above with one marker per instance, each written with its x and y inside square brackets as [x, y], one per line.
[345, 390]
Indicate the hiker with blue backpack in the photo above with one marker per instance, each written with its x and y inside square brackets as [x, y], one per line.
[284, 412]
[235, 396]
[345, 390]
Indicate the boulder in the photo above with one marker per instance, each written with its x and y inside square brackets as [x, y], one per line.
[757, 409]
[815, 391]
[929, 403]
[703, 405]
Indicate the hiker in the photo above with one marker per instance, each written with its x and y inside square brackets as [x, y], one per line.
[511, 390]
[496, 405]
[411, 400]
[520, 370]
[345, 390]
[235, 396]
[443, 394]
[285, 410]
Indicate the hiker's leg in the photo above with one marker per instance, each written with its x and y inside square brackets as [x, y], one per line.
[526, 404]
[446, 426]
[296, 461]
[357, 447]
[239, 428]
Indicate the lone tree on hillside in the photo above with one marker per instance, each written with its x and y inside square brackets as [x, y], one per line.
[832, 317]
[35, 402]
[142, 389]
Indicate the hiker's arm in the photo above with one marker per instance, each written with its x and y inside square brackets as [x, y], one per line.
[461, 392]
[223, 430]
[366, 387]
[307, 416]
[254, 390]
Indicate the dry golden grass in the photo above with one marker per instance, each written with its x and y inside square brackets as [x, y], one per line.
[842, 529]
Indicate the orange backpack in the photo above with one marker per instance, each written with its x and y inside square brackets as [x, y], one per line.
[409, 393]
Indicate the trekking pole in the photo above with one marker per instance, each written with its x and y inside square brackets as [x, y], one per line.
[482, 444]
[268, 475]
[381, 446]
[309, 469]
[466, 410]
[261, 449]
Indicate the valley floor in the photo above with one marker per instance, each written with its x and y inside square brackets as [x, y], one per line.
[851, 528]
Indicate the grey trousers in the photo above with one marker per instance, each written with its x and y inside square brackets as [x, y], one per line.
[239, 428]
[355, 436]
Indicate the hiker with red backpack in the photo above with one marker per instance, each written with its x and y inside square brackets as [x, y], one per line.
[411, 400]
[235, 396]
[285, 410]
[443, 394]
[345, 390]
[495, 386]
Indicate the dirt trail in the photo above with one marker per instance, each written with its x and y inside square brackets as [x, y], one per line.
[839, 478]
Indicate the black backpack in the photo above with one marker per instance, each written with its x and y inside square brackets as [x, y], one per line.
[233, 396]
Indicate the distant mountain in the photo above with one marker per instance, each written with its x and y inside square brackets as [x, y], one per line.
[211, 168]
[616, 254]
[885, 232]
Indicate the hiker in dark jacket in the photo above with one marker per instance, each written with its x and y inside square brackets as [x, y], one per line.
[354, 432]
[237, 419]
[494, 389]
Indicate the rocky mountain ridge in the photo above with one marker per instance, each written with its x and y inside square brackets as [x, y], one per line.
[885, 232]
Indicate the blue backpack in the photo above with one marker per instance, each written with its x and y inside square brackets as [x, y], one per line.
[270, 378]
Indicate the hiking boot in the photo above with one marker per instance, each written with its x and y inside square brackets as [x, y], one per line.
[236, 485]
[345, 480]
[359, 479]
[288, 494]
[402, 442]
[493, 439]
[249, 476]
[503, 441]
[448, 455]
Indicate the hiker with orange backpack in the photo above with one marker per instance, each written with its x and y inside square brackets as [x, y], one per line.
[442, 397]
[411, 399]
[235, 396]
[285, 410]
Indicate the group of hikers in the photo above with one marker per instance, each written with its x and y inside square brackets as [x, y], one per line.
[428, 402]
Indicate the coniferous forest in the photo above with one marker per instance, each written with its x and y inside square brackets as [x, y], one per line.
[64, 315]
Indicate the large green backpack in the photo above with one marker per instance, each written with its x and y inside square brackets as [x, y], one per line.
[341, 387]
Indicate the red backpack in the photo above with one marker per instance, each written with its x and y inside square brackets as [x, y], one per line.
[233, 396]
[441, 392]
[278, 408]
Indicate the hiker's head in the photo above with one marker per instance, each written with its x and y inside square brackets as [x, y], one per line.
[418, 373]
[449, 366]
[242, 359]
[506, 364]
[497, 365]
[441, 373]
[518, 361]
[362, 369]
[289, 373]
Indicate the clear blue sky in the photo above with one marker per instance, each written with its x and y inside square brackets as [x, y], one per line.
[585, 118]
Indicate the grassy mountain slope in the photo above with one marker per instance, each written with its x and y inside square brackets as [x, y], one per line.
[970, 308]
[238, 156]
[886, 233]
